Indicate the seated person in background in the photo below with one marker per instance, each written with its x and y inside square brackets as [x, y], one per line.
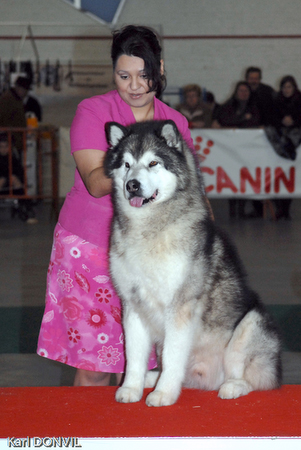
[194, 109]
[285, 132]
[262, 94]
[12, 113]
[239, 112]
[17, 169]
[22, 207]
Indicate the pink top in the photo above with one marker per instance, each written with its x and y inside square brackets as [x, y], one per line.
[82, 214]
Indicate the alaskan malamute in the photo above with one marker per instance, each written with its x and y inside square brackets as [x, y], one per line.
[180, 280]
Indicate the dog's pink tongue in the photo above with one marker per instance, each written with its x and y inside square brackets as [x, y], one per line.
[136, 202]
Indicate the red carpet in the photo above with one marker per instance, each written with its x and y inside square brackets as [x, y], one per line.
[93, 412]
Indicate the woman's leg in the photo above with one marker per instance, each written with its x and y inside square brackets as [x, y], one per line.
[90, 378]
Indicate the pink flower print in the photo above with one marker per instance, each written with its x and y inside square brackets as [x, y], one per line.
[48, 317]
[73, 335]
[64, 280]
[103, 295]
[82, 281]
[99, 257]
[50, 267]
[103, 338]
[75, 252]
[43, 352]
[71, 308]
[121, 339]
[53, 336]
[109, 355]
[96, 318]
[63, 359]
[86, 365]
[116, 313]
[85, 268]
[59, 250]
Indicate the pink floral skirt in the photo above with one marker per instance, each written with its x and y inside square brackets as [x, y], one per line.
[81, 325]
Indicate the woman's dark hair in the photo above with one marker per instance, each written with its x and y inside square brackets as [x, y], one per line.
[288, 79]
[143, 43]
[241, 83]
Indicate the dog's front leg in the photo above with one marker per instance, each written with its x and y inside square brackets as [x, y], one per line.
[137, 348]
[176, 350]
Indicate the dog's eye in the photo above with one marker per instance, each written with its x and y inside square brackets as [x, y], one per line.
[127, 165]
[153, 163]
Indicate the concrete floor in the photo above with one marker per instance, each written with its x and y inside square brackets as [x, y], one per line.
[271, 252]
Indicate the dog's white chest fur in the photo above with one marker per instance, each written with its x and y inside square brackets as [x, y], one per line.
[151, 267]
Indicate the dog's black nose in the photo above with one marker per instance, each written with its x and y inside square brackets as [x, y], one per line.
[133, 186]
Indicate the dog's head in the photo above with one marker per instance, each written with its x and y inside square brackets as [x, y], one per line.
[146, 161]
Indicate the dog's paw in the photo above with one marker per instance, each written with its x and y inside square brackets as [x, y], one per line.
[128, 395]
[159, 398]
[151, 379]
[234, 389]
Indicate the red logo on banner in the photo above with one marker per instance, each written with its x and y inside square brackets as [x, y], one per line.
[205, 151]
[224, 178]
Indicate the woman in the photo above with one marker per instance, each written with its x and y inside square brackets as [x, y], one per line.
[239, 112]
[285, 132]
[82, 320]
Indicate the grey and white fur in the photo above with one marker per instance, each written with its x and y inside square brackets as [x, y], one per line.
[180, 280]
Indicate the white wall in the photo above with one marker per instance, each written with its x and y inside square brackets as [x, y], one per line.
[215, 64]
[218, 63]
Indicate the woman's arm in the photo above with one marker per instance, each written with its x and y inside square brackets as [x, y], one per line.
[90, 164]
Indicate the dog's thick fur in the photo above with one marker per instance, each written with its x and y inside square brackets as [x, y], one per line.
[180, 280]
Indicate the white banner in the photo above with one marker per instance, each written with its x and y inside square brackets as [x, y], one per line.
[242, 163]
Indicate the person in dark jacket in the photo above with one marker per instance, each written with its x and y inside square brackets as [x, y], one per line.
[262, 94]
[285, 132]
[239, 112]
[12, 112]
[12, 181]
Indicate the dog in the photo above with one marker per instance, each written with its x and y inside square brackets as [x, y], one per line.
[180, 279]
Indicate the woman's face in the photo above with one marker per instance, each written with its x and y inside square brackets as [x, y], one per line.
[242, 93]
[288, 89]
[131, 81]
[192, 99]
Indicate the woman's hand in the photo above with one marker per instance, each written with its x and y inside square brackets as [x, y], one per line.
[287, 121]
[90, 166]
[215, 124]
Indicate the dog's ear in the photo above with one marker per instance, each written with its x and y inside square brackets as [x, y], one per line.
[171, 134]
[114, 133]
